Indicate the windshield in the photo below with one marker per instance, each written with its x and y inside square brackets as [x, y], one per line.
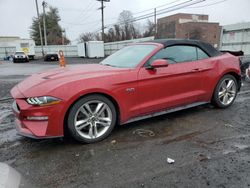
[128, 57]
[19, 53]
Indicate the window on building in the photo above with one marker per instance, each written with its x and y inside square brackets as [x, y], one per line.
[24, 45]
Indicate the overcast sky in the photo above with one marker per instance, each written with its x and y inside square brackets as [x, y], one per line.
[79, 16]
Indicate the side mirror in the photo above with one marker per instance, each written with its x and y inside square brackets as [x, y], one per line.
[158, 63]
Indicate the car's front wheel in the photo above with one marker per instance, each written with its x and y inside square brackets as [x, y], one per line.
[225, 91]
[91, 119]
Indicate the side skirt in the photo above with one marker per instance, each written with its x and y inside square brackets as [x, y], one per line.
[165, 112]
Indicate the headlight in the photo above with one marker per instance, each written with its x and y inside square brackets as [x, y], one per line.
[42, 101]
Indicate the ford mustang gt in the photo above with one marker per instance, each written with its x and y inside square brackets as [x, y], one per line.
[139, 81]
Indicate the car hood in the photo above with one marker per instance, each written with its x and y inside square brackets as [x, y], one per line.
[77, 70]
[44, 82]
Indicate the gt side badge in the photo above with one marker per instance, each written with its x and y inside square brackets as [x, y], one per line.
[129, 90]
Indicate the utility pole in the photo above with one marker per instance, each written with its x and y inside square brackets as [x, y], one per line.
[155, 22]
[44, 23]
[39, 24]
[63, 36]
[102, 11]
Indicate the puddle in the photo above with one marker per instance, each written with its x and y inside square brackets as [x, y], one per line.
[236, 147]
[9, 136]
[144, 133]
[241, 146]
[5, 116]
[182, 137]
[226, 152]
[242, 99]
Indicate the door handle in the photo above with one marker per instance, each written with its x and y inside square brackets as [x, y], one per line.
[196, 70]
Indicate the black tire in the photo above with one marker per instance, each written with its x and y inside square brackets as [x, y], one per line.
[215, 99]
[73, 111]
[247, 75]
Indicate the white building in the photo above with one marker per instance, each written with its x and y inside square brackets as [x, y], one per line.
[236, 37]
[11, 44]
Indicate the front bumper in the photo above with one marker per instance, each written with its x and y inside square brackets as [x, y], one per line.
[20, 59]
[39, 129]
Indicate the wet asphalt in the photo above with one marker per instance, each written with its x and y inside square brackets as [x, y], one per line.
[211, 147]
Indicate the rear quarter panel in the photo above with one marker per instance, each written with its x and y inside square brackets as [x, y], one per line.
[222, 65]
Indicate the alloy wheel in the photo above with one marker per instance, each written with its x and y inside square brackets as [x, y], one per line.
[227, 91]
[93, 119]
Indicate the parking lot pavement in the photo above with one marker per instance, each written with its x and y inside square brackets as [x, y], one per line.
[211, 148]
[69, 60]
[8, 68]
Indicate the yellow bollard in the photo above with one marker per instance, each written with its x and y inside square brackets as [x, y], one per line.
[62, 59]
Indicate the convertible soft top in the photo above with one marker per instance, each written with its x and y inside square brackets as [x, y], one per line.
[206, 47]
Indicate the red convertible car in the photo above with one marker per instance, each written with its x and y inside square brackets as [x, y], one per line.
[139, 81]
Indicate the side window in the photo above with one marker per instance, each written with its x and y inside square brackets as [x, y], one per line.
[176, 54]
[201, 54]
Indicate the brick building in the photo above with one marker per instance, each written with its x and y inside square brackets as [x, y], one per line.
[189, 26]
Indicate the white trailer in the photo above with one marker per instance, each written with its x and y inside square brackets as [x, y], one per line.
[95, 49]
[81, 50]
[236, 37]
[27, 46]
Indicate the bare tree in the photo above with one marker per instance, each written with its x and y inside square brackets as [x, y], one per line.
[118, 32]
[124, 29]
[98, 37]
[150, 29]
[125, 21]
[111, 35]
[86, 37]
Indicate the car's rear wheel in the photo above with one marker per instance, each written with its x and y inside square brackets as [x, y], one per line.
[91, 119]
[225, 91]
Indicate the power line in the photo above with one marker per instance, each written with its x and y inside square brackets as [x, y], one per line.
[162, 11]
[113, 18]
[178, 6]
[207, 5]
[89, 11]
[88, 8]
[86, 23]
[152, 13]
[89, 5]
[152, 9]
[72, 9]
[157, 7]
[80, 24]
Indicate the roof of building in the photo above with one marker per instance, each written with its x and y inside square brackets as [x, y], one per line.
[185, 14]
[9, 37]
[206, 47]
[237, 26]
